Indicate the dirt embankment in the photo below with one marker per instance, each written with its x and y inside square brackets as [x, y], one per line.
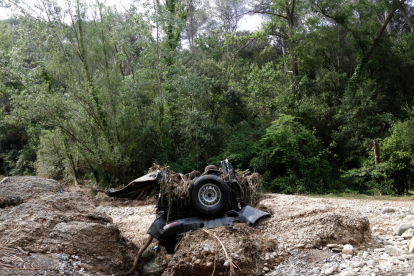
[37, 216]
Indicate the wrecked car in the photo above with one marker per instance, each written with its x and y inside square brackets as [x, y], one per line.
[217, 197]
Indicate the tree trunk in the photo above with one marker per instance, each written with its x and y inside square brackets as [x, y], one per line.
[407, 19]
[376, 152]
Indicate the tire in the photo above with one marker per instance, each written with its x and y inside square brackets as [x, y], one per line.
[194, 174]
[211, 167]
[210, 195]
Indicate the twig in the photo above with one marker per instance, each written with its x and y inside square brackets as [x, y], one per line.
[22, 251]
[232, 272]
[215, 255]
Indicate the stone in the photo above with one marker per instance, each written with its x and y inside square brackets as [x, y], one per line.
[348, 249]
[388, 210]
[379, 249]
[411, 246]
[343, 266]
[408, 234]
[408, 218]
[394, 251]
[266, 269]
[398, 230]
[316, 270]
[348, 273]
[152, 268]
[346, 256]
[331, 270]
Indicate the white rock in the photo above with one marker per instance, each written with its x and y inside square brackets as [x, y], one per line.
[402, 228]
[347, 273]
[408, 234]
[343, 266]
[316, 270]
[348, 249]
[409, 218]
[394, 251]
[411, 246]
[331, 270]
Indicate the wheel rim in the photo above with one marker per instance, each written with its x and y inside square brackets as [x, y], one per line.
[209, 195]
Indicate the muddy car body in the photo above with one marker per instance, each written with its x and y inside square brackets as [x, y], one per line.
[212, 199]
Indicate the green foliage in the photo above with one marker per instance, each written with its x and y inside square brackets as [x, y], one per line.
[291, 158]
[106, 93]
[395, 172]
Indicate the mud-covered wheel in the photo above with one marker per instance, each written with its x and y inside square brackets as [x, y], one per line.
[210, 195]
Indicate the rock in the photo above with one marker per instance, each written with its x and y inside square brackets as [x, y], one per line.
[348, 273]
[346, 256]
[331, 270]
[18, 189]
[388, 210]
[152, 268]
[348, 249]
[411, 246]
[394, 251]
[402, 228]
[408, 218]
[316, 270]
[379, 249]
[266, 269]
[408, 234]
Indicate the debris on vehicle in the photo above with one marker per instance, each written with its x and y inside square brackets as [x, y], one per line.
[217, 197]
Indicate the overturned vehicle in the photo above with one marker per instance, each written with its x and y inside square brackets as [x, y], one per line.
[217, 197]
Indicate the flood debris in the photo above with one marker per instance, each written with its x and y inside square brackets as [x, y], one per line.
[217, 197]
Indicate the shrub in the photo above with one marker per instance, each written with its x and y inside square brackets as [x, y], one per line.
[292, 159]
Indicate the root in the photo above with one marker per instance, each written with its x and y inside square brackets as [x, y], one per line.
[231, 264]
[138, 257]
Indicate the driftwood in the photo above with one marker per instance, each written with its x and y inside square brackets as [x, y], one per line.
[137, 258]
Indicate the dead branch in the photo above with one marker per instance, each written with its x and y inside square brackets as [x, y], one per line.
[138, 257]
[231, 264]
[22, 251]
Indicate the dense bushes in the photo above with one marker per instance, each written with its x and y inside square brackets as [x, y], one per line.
[292, 159]
[395, 173]
[107, 94]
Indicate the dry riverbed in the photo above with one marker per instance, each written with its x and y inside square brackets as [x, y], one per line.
[378, 253]
[44, 231]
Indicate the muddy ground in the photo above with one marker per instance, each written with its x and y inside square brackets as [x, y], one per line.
[44, 231]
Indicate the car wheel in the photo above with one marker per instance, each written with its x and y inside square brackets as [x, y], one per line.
[210, 195]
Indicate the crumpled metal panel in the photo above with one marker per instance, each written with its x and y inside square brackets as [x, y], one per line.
[160, 230]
